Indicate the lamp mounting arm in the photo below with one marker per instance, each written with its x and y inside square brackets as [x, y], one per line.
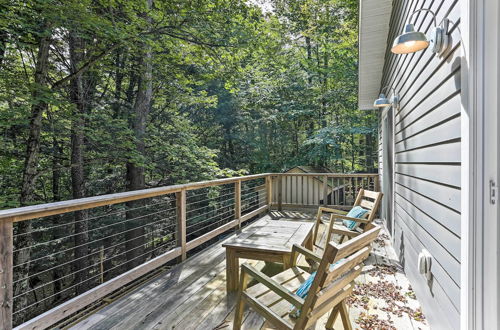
[386, 87]
[426, 10]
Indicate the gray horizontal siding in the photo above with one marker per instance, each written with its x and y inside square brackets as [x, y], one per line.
[440, 311]
[427, 159]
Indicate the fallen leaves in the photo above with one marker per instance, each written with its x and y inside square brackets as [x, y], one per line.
[394, 301]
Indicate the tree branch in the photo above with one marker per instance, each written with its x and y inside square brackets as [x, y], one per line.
[84, 67]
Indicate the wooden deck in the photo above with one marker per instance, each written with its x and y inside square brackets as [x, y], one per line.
[193, 295]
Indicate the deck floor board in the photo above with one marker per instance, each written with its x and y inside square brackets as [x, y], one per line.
[192, 295]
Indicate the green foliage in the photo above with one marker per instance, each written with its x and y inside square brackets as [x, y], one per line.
[236, 89]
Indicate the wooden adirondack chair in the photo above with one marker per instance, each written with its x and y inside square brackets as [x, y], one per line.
[273, 297]
[367, 199]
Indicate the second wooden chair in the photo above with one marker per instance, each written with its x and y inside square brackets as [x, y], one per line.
[366, 199]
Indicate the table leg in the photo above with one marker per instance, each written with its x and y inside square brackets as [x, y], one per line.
[232, 270]
[287, 263]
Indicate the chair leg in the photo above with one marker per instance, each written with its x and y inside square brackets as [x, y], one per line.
[238, 313]
[240, 303]
[332, 317]
[344, 314]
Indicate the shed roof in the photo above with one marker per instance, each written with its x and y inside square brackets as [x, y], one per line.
[311, 169]
[374, 17]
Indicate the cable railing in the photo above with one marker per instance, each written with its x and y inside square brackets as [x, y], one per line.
[58, 258]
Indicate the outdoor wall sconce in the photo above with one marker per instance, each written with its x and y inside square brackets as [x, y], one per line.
[412, 41]
[383, 101]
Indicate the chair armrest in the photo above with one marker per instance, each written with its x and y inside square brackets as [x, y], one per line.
[347, 232]
[343, 217]
[306, 252]
[273, 285]
[331, 210]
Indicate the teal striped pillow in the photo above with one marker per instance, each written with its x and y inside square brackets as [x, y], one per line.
[355, 212]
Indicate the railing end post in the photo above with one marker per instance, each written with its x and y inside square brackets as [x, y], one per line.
[325, 190]
[237, 203]
[6, 273]
[280, 193]
[269, 191]
[181, 222]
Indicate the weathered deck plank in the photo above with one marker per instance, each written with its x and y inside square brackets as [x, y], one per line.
[193, 295]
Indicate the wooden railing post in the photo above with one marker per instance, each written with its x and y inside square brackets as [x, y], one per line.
[6, 273]
[269, 191]
[181, 222]
[325, 190]
[280, 193]
[237, 202]
[376, 184]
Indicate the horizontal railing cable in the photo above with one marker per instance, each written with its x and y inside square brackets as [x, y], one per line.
[217, 215]
[83, 269]
[200, 208]
[218, 196]
[91, 230]
[96, 252]
[225, 219]
[191, 195]
[89, 219]
[81, 245]
[86, 280]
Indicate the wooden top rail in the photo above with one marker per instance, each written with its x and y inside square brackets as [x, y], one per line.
[43, 210]
[330, 175]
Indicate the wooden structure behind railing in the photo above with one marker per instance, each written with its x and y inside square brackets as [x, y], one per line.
[199, 211]
[313, 189]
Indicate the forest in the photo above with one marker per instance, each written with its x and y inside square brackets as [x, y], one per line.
[106, 96]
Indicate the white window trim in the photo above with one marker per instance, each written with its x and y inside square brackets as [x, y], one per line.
[480, 232]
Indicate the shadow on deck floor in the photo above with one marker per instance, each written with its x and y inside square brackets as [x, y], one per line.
[192, 295]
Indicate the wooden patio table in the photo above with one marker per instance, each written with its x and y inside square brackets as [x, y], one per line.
[270, 240]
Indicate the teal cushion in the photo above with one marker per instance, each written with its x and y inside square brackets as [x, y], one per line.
[303, 289]
[355, 212]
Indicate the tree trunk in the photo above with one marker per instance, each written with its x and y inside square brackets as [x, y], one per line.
[135, 171]
[58, 232]
[38, 107]
[353, 154]
[3, 45]
[78, 95]
[309, 59]
[119, 75]
[369, 152]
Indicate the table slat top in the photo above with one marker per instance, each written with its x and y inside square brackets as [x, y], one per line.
[272, 236]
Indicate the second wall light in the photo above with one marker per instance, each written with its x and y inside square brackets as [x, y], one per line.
[383, 101]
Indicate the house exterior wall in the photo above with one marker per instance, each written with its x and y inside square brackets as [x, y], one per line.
[427, 159]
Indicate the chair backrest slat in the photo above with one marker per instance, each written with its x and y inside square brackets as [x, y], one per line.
[367, 204]
[354, 244]
[333, 288]
[349, 263]
[371, 194]
[369, 200]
